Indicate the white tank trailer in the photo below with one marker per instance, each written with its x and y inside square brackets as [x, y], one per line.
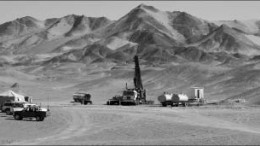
[173, 99]
[182, 99]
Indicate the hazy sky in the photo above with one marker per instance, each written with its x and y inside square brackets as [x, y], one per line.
[209, 10]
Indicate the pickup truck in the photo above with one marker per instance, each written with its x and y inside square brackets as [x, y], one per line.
[8, 106]
[30, 112]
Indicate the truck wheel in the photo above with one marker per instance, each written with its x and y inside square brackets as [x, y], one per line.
[8, 112]
[164, 104]
[42, 118]
[18, 117]
[38, 118]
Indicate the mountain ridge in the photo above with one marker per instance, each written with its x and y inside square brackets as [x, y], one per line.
[176, 50]
[145, 29]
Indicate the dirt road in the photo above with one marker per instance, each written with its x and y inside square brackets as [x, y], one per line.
[101, 124]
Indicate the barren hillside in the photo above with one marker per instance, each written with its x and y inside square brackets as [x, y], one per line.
[177, 51]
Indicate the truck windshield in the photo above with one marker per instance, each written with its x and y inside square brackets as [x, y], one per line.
[18, 105]
[131, 93]
[78, 95]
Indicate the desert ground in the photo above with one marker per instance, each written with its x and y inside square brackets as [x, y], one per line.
[73, 123]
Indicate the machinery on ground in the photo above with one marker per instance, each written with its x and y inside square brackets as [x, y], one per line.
[134, 96]
[30, 112]
[116, 100]
[183, 99]
[83, 98]
[129, 97]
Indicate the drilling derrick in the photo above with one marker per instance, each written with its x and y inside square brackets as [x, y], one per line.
[137, 78]
[138, 81]
[132, 96]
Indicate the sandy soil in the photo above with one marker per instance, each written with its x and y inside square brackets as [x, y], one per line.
[72, 123]
[101, 124]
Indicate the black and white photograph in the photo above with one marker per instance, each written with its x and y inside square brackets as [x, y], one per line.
[129, 72]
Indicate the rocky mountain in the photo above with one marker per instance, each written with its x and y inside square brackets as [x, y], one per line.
[19, 28]
[176, 51]
[31, 36]
[156, 36]
[250, 27]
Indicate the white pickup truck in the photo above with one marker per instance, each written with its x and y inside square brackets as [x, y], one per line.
[25, 105]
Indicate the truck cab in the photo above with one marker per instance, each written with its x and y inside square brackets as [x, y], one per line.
[129, 96]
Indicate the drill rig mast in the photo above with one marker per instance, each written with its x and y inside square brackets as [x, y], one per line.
[138, 82]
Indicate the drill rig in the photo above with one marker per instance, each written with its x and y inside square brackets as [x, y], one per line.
[133, 96]
[141, 93]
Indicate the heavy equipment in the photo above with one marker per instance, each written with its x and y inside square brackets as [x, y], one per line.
[82, 97]
[133, 96]
[173, 99]
[182, 99]
[129, 97]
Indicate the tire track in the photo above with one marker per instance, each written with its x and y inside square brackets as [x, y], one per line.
[77, 126]
[85, 121]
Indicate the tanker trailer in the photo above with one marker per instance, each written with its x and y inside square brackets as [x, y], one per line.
[173, 99]
[165, 99]
[180, 99]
